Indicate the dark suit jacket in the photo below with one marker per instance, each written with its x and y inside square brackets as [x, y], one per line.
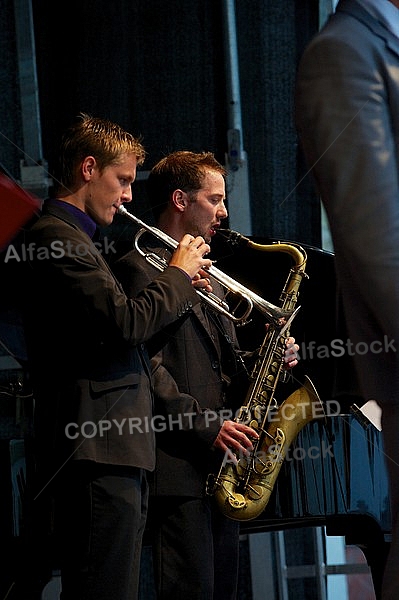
[190, 363]
[347, 113]
[85, 338]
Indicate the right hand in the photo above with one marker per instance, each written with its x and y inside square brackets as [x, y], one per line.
[189, 255]
[235, 437]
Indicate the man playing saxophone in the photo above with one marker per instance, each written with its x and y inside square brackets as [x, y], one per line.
[198, 371]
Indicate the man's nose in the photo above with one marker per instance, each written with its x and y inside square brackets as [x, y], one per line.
[127, 195]
[222, 211]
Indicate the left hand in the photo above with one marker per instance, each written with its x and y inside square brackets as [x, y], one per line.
[291, 353]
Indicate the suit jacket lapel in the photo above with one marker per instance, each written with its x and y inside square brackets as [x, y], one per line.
[197, 309]
[352, 7]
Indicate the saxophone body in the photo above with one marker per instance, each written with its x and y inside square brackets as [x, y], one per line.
[242, 489]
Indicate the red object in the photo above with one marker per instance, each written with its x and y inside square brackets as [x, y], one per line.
[16, 208]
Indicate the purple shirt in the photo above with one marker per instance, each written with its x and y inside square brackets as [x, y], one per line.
[86, 223]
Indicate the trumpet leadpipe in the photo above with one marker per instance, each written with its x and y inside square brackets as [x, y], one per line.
[154, 230]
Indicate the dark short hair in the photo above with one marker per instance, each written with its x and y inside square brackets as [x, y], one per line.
[183, 170]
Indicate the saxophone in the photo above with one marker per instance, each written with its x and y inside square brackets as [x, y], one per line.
[243, 488]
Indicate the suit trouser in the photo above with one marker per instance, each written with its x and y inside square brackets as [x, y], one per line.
[195, 549]
[99, 522]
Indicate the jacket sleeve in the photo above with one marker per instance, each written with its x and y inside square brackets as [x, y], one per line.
[181, 412]
[82, 278]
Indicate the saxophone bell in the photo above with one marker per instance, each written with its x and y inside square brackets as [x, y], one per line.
[243, 490]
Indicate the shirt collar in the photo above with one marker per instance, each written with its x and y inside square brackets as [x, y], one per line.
[86, 223]
[385, 12]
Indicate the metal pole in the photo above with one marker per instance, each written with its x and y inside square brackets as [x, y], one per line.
[236, 159]
[33, 166]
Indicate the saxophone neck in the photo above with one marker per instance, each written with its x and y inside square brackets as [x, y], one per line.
[294, 250]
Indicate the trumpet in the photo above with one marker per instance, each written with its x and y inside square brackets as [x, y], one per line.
[237, 301]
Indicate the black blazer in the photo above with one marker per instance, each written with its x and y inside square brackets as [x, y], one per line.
[90, 371]
[190, 364]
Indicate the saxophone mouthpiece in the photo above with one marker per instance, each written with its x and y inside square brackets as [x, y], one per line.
[233, 237]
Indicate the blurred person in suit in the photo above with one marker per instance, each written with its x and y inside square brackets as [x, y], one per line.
[347, 115]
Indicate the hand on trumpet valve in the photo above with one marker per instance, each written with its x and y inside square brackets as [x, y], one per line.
[189, 255]
[202, 282]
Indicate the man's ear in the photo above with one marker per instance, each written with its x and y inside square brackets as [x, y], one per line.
[88, 165]
[180, 200]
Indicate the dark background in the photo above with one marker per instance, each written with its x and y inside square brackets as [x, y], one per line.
[159, 69]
